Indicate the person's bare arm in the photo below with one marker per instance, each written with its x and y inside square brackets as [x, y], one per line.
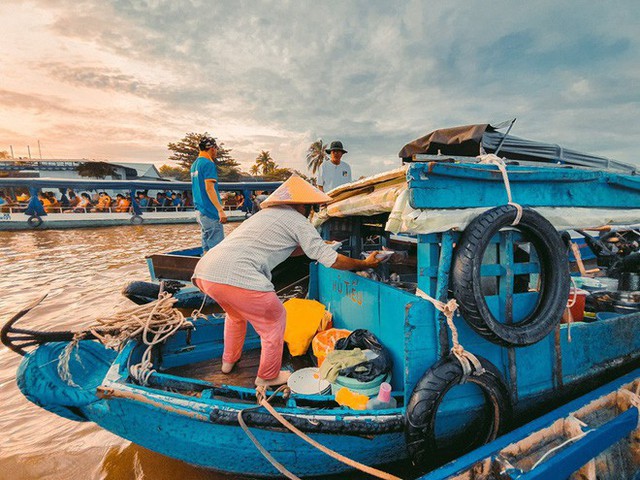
[211, 191]
[347, 263]
[321, 188]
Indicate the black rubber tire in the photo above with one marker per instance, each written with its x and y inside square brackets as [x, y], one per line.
[427, 395]
[554, 275]
[34, 221]
[136, 220]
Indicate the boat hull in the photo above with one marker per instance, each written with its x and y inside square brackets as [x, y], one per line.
[56, 221]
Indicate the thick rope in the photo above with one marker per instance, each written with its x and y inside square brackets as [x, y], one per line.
[263, 401]
[492, 159]
[154, 323]
[265, 453]
[468, 361]
[570, 303]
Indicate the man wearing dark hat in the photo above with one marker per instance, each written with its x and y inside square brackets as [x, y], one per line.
[206, 198]
[334, 173]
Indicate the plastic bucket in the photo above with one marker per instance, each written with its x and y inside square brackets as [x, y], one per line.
[325, 341]
[365, 388]
[577, 310]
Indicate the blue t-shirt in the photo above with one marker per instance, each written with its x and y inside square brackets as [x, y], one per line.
[203, 169]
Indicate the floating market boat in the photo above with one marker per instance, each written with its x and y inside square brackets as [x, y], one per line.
[32, 216]
[459, 380]
[594, 436]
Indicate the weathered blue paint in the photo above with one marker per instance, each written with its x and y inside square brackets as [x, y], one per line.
[567, 460]
[466, 185]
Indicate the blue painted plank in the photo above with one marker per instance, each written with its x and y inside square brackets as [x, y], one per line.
[441, 185]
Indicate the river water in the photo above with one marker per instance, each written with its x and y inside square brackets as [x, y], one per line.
[83, 272]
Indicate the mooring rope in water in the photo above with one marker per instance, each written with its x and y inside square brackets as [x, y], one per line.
[263, 401]
[491, 159]
[468, 361]
[154, 323]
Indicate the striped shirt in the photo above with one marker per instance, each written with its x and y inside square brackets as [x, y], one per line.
[246, 257]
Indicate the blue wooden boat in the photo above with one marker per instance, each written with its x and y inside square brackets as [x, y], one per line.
[512, 283]
[593, 436]
[33, 216]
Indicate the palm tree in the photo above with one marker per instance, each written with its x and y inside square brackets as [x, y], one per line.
[265, 163]
[316, 155]
[255, 169]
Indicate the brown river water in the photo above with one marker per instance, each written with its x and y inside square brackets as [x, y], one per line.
[83, 272]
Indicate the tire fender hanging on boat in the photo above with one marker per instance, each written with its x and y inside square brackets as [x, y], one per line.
[554, 276]
[427, 396]
[34, 221]
[136, 219]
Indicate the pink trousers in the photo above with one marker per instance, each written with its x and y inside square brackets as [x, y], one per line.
[263, 310]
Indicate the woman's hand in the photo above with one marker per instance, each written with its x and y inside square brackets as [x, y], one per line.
[371, 261]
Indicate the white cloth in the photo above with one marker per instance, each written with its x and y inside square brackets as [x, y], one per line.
[332, 175]
[246, 257]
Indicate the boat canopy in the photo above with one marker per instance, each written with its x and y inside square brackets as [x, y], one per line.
[473, 140]
[92, 184]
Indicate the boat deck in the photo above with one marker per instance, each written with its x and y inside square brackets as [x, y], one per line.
[243, 374]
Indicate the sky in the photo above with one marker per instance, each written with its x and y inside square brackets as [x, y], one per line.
[119, 80]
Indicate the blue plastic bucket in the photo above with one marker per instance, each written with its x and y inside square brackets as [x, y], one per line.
[365, 388]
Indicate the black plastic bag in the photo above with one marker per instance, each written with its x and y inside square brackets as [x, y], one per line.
[365, 371]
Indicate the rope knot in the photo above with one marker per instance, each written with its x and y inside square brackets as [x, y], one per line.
[261, 394]
[449, 308]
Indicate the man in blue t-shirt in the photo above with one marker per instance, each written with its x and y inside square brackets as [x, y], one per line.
[206, 199]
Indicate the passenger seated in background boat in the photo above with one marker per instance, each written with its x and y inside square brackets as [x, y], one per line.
[176, 200]
[186, 200]
[74, 200]
[5, 202]
[84, 204]
[50, 202]
[122, 204]
[104, 202]
[143, 200]
[23, 198]
[159, 201]
[236, 273]
[239, 201]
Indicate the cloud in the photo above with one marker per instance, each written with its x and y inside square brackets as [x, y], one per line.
[278, 75]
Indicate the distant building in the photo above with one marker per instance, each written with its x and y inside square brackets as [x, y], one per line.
[64, 168]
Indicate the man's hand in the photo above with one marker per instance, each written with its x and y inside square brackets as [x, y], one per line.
[223, 216]
[371, 261]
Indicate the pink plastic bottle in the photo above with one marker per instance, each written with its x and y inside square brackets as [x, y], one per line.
[384, 399]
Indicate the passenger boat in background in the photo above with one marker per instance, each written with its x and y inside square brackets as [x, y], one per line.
[459, 380]
[32, 216]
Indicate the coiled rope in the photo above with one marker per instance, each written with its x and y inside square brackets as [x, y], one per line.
[154, 323]
[263, 401]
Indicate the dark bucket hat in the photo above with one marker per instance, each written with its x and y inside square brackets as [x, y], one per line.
[337, 145]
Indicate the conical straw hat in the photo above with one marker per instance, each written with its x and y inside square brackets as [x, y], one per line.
[295, 191]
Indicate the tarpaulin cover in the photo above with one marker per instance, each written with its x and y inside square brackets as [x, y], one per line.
[472, 140]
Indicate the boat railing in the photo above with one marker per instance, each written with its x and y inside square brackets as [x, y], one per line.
[93, 209]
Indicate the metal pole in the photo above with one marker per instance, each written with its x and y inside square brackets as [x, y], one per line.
[11, 147]
[504, 138]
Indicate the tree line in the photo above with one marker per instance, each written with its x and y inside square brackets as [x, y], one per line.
[185, 151]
